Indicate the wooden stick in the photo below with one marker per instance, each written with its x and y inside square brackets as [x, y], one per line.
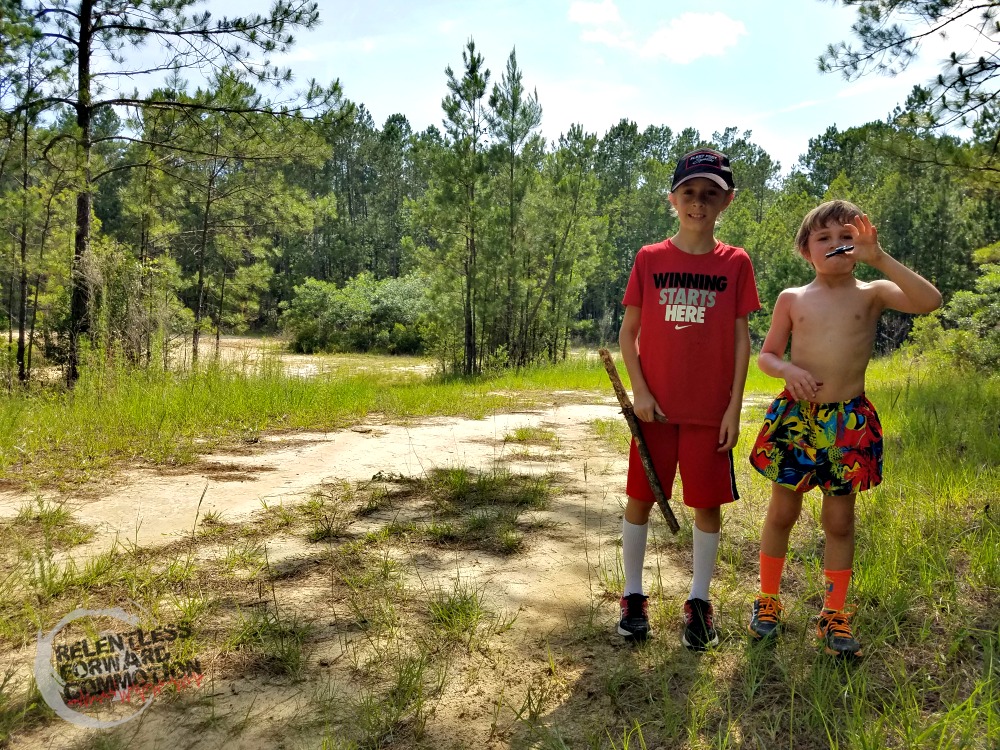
[633, 425]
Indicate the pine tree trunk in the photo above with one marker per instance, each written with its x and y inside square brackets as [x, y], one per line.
[79, 325]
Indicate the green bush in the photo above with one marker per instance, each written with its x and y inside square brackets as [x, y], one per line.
[365, 315]
[966, 332]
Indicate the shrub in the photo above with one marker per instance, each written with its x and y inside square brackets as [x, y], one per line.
[387, 316]
[966, 331]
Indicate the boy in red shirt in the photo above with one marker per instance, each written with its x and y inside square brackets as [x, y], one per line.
[688, 299]
[822, 431]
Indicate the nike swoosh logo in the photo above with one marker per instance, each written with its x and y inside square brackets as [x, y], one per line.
[677, 328]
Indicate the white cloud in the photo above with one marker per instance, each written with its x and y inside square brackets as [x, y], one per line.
[607, 38]
[309, 54]
[795, 107]
[694, 35]
[867, 85]
[594, 14]
[595, 103]
[682, 40]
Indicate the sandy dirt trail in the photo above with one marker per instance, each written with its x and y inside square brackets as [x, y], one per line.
[549, 587]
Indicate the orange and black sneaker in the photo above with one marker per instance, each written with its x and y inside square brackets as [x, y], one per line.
[765, 621]
[834, 629]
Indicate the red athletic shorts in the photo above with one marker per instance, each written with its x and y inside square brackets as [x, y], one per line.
[707, 476]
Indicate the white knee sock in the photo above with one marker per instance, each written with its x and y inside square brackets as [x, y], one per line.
[706, 549]
[633, 555]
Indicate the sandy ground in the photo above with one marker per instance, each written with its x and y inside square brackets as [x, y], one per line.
[551, 587]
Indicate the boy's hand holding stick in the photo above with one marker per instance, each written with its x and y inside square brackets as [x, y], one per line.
[633, 425]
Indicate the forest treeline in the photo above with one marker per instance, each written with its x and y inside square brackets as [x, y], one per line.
[133, 223]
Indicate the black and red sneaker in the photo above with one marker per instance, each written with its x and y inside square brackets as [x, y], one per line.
[699, 627]
[635, 617]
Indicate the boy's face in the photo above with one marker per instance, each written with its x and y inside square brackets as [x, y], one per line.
[822, 241]
[698, 202]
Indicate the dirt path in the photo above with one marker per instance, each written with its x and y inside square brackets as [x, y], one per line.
[547, 590]
[155, 506]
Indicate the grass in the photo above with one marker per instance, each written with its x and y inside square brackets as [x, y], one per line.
[614, 432]
[273, 641]
[44, 523]
[117, 416]
[927, 583]
[328, 513]
[533, 436]
[474, 509]
[925, 587]
[460, 613]
[20, 707]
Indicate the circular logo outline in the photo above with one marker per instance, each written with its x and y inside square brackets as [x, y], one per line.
[49, 681]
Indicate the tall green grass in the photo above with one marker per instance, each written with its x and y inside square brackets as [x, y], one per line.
[119, 415]
[926, 588]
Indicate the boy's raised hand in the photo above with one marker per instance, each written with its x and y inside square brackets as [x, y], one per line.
[865, 239]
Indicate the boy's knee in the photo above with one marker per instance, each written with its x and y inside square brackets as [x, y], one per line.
[840, 523]
[637, 511]
[708, 520]
[784, 517]
[784, 509]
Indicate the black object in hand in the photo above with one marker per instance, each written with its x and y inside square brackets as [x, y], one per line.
[839, 250]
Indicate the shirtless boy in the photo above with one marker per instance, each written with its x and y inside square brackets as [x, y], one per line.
[822, 431]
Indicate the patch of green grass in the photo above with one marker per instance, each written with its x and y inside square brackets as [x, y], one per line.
[47, 523]
[48, 514]
[398, 713]
[457, 613]
[246, 555]
[471, 508]
[533, 436]
[459, 487]
[460, 613]
[374, 587]
[327, 512]
[274, 642]
[21, 707]
[614, 432]
[47, 578]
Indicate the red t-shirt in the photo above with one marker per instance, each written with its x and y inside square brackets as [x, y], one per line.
[690, 304]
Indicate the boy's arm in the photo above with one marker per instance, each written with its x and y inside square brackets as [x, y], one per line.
[643, 403]
[729, 430]
[800, 383]
[905, 290]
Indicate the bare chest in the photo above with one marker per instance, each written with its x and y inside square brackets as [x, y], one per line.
[839, 319]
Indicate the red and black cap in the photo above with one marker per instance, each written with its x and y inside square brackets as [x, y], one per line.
[704, 162]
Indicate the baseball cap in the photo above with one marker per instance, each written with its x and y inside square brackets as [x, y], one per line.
[704, 162]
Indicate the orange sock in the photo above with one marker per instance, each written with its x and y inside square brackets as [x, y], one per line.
[770, 574]
[837, 582]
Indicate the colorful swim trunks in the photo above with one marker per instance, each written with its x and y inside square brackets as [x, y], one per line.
[836, 447]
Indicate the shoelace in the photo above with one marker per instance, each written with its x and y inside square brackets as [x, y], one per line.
[839, 624]
[768, 609]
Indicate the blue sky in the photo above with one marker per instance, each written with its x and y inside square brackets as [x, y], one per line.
[708, 65]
